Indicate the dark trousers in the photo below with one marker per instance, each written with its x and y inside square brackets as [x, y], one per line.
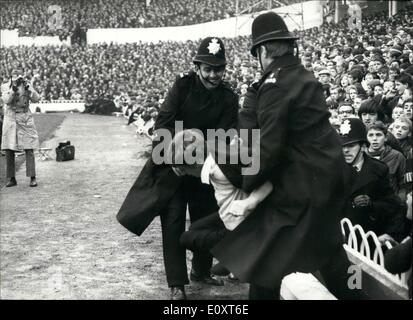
[207, 232]
[11, 167]
[201, 202]
[204, 233]
[334, 273]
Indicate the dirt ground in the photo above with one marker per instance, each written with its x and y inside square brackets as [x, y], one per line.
[61, 240]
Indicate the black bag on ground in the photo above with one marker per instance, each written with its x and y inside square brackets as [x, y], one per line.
[65, 151]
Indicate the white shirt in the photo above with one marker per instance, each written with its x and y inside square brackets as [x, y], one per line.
[225, 192]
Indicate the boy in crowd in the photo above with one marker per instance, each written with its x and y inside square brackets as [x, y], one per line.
[357, 102]
[397, 112]
[395, 161]
[402, 129]
[407, 108]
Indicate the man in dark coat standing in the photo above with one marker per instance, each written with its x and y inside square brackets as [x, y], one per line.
[297, 227]
[199, 100]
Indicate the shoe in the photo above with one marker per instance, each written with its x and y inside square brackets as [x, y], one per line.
[12, 182]
[219, 270]
[207, 279]
[178, 293]
[33, 182]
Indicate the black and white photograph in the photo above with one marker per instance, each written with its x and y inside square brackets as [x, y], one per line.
[206, 150]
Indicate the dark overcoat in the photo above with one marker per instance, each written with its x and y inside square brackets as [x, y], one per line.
[383, 216]
[296, 228]
[190, 102]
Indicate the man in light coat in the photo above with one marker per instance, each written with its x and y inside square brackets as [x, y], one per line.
[19, 131]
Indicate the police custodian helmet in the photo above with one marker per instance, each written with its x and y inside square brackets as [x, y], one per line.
[269, 26]
[211, 51]
[352, 130]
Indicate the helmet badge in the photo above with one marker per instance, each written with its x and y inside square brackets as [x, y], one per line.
[345, 127]
[214, 46]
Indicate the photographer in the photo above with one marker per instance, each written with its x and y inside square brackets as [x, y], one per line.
[19, 131]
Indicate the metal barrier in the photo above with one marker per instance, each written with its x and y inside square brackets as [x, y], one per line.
[371, 260]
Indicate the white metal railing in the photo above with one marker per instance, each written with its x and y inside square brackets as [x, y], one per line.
[374, 257]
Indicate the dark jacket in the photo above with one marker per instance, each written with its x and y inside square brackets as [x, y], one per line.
[396, 162]
[393, 142]
[383, 216]
[296, 228]
[406, 146]
[188, 101]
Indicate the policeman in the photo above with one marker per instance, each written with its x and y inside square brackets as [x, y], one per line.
[372, 202]
[199, 99]
[297, 227]
[19, 131]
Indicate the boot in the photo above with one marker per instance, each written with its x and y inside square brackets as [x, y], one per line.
[33, 182]
[12, 182]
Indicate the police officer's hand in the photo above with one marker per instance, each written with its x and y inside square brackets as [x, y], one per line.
[362, 201]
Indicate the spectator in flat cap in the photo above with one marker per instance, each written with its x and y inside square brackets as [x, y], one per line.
[324, 76]
[396, 51]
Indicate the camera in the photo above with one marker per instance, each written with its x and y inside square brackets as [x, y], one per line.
[19, 81]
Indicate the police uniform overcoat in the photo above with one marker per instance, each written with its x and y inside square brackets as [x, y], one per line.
[296, 228]
[383, 214]
[190, 102]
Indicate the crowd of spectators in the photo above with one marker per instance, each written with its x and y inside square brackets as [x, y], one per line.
[35, 18]
[141, 71]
